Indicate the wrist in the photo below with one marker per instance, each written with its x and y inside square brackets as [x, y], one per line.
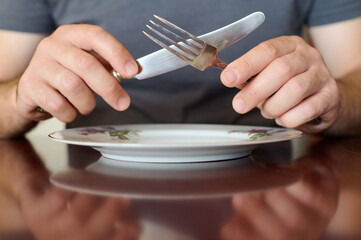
[348, 116]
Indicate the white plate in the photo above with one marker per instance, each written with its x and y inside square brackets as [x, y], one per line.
[174, 142]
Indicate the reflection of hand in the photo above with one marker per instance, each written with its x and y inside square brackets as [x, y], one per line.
[52, 213]
[292, 85]
[64, 73]
[300, 211]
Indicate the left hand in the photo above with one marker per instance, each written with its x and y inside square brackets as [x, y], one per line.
[292, 84]
[300, 211]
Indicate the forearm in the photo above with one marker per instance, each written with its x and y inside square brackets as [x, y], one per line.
[12, 124]
[348, 121]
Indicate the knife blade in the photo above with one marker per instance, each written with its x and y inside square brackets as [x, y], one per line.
[162, 61]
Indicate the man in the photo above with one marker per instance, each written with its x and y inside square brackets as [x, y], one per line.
[57, 55]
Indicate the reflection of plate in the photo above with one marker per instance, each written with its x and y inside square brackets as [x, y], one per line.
[174, 181]
[174, 142]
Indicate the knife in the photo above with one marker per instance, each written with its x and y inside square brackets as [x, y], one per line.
[162, 61]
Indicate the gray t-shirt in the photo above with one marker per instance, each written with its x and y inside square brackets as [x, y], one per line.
[185, 95]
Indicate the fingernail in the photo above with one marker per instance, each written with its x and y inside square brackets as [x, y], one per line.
[231, 77]
[239, 105]
[131, 68]
[123, 103]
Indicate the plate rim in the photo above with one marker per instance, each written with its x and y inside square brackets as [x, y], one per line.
[296, 134]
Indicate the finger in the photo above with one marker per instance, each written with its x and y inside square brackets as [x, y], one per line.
[238, 228]
[83, 206]
[27, 94]
[291, 94]
[74, 217]
[58, 201]
[126, 230]
[54, 103]
[321, 104]
[102, 222]
[270, 80]
[94, 74]
[90, 37]
[71, 86]
[318, 189]
[257, 59]
[103, 61]
[299, 219]
[40, 203]
[260, 216]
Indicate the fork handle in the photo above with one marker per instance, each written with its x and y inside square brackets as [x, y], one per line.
[220, 64]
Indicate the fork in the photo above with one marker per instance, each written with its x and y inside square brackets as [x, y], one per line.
[193, 50]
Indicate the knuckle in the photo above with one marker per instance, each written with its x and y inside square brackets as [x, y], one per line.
[95, 31]
[71, 84]
[324, 74]
[296, 88]
[269, 49]
[246, 66]
[315, 54]
[296, 38]
[86, 61]
[57, 105]
[282, 66]
[61, 29]
[28, 80]
[46, 43]
[311, 110]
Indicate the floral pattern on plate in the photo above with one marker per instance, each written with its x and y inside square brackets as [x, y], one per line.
[256, 134]
[116, 134]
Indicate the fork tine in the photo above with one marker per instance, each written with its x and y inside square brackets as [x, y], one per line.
[176, 36]
[191, 36]
[185, 58]
[172, 42]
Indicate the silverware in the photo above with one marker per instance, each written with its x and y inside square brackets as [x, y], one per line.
[194, 51]
[163, 61]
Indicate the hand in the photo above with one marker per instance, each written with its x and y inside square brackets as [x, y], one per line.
[65, 72]
[53, 213]
[292, 84]
[300, 211]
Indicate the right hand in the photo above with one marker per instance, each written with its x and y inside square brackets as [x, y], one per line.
[65, 74]
[54, 213]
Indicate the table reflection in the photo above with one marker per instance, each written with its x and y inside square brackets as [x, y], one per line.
[160, 181]
[269, 195]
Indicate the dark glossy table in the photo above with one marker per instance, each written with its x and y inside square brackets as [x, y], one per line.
[307, 188]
